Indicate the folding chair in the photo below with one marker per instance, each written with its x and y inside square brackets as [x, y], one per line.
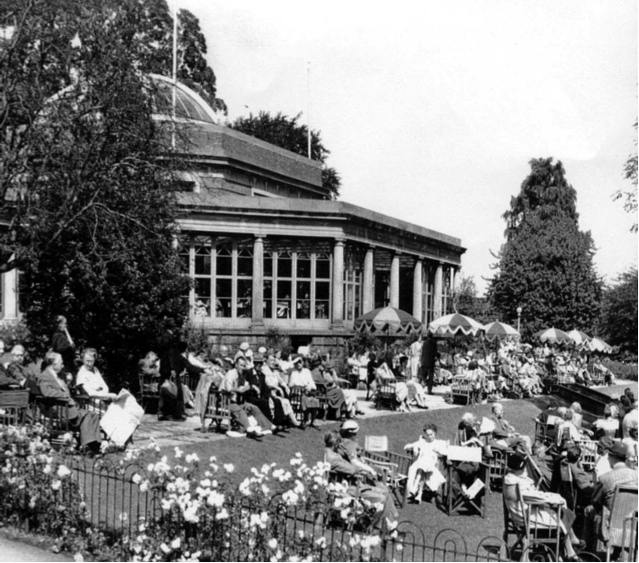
[497, 469]
[13, 407]
[456, 496]
[621, 529]
[217, 409]
[541, 481]
[588, 454]
[149, 390]
[386, 395]
[523, 524]
[53, 414]
[296, 399]
[376, 443]
[545, 431]
[463, 390]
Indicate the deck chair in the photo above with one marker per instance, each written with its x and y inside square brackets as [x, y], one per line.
[519, 520]
[13, 407]
[463, 390]
[217, 409]
[386, 395]
[456, 496]
[376, 443]
[624, 508]
[588, 454]
[541, 481]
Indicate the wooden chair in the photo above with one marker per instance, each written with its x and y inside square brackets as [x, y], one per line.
[622, 532]
[541, 481]
[456, 496]
[149, 390]
[217, 409]
[296, 398]
[588, 454]
[376, 444]
[530, 534]
[386, 395]
[497, 469]
[463, 390]
[93, 404]
[545, 431]
[13, 407]
[53, 414]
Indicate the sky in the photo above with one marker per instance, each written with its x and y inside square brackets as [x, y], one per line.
[432, 110]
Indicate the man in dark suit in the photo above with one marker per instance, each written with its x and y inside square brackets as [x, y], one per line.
[604, 492]
[52, 387]
[429, 359]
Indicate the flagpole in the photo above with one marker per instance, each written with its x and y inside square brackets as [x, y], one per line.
[174, 93]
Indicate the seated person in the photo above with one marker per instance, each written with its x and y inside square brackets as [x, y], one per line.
[89, 380]
[301, 377]
[278, 390]
[544, 462]
[52, 386]
[581, 480]
[602, 463]
[609, 424]
[567, 432]
[504, 435]
[369, 489]
[427, 450]
[540, 516]
[468, 431]
[604, 492]
[15, 375]
[631, 446]
[235, 383]
[348, 432]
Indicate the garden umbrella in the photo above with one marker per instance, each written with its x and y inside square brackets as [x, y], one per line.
[387, 319]
[454, 324]
[553, 335]
[579, 337]
[598, 345]
[500, 331]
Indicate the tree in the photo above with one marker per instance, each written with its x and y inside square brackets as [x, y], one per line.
[86, 180]
[288, 133]
[630, 196]
[467, 303]
[619, 312]
[546, 264]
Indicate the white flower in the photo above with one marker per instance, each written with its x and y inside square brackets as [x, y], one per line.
[290, 497]
[192, 458]
[272, 543]
[63, 471]
[215, 499]
[144, 487]
[55, 485]
[222, 514]
[321, 542]
[47, 469]
[136, 479]
[178, 452]
[165, 548]
[175, 544]
[229, 467]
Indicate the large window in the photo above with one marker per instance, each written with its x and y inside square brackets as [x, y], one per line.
[428, 291]
[297, 284]
[222, 273]
[353, 273]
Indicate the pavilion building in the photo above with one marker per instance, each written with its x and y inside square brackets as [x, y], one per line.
[267, 249]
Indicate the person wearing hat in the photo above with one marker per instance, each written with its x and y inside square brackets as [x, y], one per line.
[300, 377]
[604, 493]
[602, 465]
[543, 514]
[352, 450]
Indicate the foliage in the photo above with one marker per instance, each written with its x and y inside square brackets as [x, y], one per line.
[288, 133]
[546, 264]
[629, 197]
[623, 369]
[14, 333]
[87, 181]
[196, 337]
[201, 517]
[467, 303]
[275, 340]
[618, 322]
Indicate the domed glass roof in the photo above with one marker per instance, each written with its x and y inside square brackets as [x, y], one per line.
[188, 105]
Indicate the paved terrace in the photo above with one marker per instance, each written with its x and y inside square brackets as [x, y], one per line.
[172, 433]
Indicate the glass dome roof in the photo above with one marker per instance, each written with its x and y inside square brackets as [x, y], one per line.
[188, 105]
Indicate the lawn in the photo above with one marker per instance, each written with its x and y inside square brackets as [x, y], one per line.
[401, 429]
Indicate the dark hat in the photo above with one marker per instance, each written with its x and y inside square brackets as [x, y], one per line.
[619, 450]
[258, 359]
[516, 461]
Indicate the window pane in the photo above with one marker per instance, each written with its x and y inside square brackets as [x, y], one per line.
[322, 301]
[245, 262]
[284, 265]
[203, 260]
[268, 264]
[224, 262]
[223, 290]
[244, 298]
[303, 266]
[303, 305]
[268, 299]
[283, 299]
[323, 267]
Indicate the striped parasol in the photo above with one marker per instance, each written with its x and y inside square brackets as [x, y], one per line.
[598, 345]
[387, 319]
[553, 335]
[454, 324]
[501, 331]
[578, 337]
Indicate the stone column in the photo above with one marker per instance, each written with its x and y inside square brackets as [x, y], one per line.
[418, 311]
[368, 301]
[338, 284]
[394, 281]
[437, 292]
[257, 314]
[10, 294]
